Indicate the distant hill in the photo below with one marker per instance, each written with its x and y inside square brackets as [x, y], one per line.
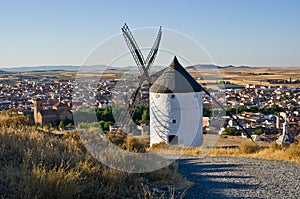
[55, 68]
[40, 68]
[212, 66]
[203, 66]
[244, 66]
[68, 68]
[103, 67]
[4, 72]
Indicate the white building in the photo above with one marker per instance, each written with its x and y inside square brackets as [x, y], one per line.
[285, 137]
[176, 108]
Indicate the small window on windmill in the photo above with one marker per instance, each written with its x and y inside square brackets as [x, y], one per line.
[157, 95]
[174, 121]
[173, 96]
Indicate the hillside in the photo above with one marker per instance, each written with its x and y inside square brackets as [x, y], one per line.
[37, 165]
[4, 72]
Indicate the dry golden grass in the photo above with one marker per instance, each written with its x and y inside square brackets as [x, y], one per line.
[271, 151]
[163, 148]
[36, 165]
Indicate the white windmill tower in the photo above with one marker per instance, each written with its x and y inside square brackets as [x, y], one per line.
[176, 108]
[171, 121]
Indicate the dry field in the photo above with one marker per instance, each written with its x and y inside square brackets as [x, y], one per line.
[236, 75]
[253, 75]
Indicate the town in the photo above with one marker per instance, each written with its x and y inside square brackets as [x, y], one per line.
[262, 110]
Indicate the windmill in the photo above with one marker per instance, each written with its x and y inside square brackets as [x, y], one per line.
[145, 65]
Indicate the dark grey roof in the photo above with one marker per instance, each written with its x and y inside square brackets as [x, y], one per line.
[60, 104]
[52, 112]
[175, 79]
[156, 75]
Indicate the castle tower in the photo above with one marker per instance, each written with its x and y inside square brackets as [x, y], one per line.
[37, 106]
[176, 108]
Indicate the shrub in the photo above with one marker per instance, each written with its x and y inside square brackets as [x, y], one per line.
[230, 131]
[12, 119]
[293, 151]
[248, 147]
[258, 132]
[133, 144]
[105, 125]
[161, 145]
[227, 131]
[275, 147]
[117, 139]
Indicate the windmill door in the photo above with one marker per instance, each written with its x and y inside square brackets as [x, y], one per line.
[173, 139]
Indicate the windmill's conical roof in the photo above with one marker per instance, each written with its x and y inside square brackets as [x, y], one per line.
[175, 79]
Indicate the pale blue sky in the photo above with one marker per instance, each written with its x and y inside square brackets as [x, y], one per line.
[238, 32]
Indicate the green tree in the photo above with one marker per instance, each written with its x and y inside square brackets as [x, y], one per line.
[99, 114]
[61, 125]
[107, 114]
[145, 116]
[242, 109]
[85, 115]
[229, 131]
[230, 110]
[285, 97]
[69, 125]
[258, 132]
[253, 109]
[106, 126]
[138, 111]
[207, 112]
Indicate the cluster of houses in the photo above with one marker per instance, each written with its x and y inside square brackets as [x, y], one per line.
[19, 92]
[106, 93]
[254, 105]
[45, 99]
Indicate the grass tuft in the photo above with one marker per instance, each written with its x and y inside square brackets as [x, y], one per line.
[271, 151]
[248, 148]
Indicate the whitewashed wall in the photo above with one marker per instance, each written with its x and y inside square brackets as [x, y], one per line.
[185, 108]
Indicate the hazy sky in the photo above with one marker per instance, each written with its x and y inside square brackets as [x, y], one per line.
[238, 32]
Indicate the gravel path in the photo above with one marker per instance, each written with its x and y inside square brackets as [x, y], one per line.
[232, 177]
